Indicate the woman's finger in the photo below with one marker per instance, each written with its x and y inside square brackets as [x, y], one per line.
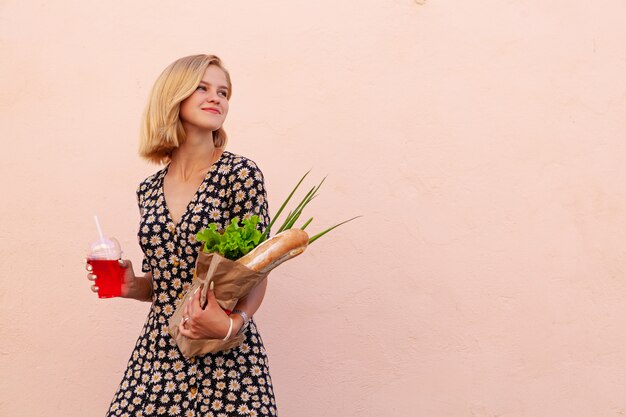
[183, 330]
[95, 288]
[91, 277]
[88, 267]
[211, 301]
[194, 303]
[189, 309]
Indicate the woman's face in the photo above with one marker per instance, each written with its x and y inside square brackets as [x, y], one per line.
[207, 107]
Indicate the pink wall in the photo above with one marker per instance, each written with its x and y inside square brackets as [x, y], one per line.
[483, 143]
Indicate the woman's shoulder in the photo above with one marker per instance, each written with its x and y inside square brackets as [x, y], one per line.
[150, 182]
[237, 163]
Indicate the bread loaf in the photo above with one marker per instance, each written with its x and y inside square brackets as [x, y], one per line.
[276, 250]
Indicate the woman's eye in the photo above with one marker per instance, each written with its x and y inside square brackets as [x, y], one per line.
[223, 93]
[201, 87]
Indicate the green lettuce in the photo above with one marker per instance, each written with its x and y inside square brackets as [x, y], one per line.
[234, 241]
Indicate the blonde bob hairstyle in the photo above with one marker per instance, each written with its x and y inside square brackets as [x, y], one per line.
[162, 131]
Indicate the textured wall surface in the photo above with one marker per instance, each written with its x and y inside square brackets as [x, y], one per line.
[482, 141]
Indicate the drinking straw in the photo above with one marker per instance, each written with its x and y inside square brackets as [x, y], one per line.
[98, 227]
[95, 217]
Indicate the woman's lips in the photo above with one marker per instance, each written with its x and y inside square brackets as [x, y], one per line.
[211, 110]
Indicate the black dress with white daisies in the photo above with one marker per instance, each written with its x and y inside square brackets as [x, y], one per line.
[158, 379]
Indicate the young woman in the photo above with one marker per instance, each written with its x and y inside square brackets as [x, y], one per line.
[200, 184]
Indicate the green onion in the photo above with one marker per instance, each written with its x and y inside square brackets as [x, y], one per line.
[280, 210]
[320, 234]
[288, 223]
[306, 224]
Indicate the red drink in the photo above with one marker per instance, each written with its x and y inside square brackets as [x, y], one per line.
[103, 256]
[110, 276]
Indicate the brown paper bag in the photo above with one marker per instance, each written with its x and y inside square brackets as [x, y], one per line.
[231, 282]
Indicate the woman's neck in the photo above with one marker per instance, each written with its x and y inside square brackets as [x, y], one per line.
[194, 156]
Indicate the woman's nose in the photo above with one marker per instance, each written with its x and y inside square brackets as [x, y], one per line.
[213, 97]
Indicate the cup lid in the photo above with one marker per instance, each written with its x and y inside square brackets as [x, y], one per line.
[107, 248]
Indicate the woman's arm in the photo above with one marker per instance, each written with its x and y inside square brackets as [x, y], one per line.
[249, 305]
[212, 322]
[138, 288]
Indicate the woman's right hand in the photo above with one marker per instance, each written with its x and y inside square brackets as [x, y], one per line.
[210, 322]
[91, 277]
[130, 280]
[139, 288]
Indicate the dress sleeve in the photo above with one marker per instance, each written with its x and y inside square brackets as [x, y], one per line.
[145, 265]
[248, 195]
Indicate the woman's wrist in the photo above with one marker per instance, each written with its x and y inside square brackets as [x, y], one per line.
[147, 289]
[242, 320]
[141, 289]
[238, 323]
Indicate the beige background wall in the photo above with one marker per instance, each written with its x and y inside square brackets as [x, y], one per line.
[482, 141]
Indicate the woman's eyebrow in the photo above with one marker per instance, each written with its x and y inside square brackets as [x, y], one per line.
[219, 86]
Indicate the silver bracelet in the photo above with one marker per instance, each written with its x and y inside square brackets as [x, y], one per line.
[244, 316]
[230, 330]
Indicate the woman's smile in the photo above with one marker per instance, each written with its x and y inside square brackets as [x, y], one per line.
[214, 110]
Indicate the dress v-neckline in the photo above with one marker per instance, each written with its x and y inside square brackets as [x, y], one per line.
[193, 199]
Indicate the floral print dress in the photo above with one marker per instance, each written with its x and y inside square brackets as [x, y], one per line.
[158, 379]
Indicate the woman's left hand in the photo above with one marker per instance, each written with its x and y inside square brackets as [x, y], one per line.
[209, 323]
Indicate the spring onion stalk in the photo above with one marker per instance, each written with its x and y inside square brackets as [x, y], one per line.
[320, 234]
[236, 240]
[294, 215]
[280, 210]
[296, 212]
[291, 220]
[306, 224]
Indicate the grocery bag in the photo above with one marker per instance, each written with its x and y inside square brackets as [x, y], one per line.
[231, 281]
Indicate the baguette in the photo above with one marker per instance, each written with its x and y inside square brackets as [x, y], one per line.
[276, 250]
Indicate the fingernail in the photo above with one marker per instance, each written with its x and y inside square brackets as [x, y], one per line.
[89, 268]
[121, 262]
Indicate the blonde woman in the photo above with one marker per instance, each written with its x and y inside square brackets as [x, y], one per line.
[201, 183]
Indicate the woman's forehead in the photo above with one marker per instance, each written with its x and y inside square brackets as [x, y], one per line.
[214, 75]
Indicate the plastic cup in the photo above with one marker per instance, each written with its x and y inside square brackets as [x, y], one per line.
[103, 256]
